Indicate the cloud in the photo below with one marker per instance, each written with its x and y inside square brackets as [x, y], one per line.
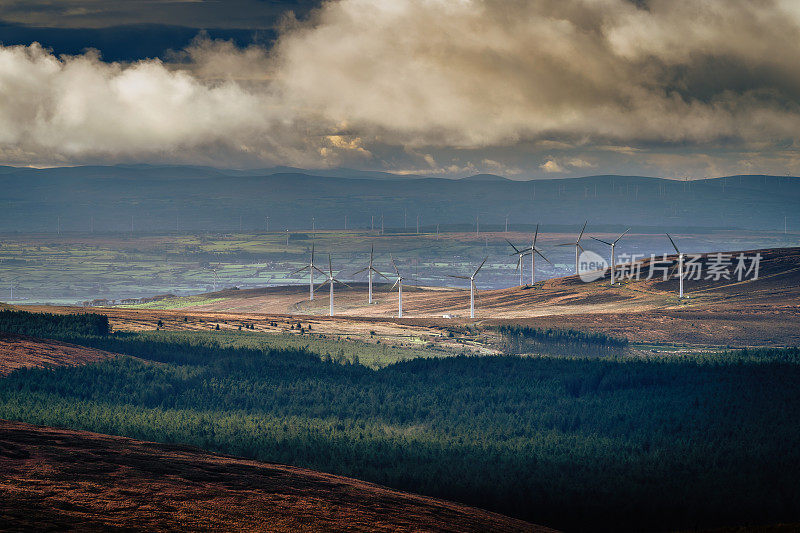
[580, 163]
[607, 84]
[551, 166]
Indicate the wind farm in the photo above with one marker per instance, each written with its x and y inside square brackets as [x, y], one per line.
[562, 287]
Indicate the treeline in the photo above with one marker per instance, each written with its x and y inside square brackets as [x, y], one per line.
[48, 325]
[575, 443]
[524, 339]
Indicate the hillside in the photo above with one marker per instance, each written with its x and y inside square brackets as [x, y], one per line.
[141, 199]
[62, 479]
[20, 351]
[764, 311]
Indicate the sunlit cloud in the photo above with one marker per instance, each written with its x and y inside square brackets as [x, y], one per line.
[530, 88]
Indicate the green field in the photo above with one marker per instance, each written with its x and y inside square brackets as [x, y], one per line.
[73, 268]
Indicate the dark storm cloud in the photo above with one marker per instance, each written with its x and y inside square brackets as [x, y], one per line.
[242, 14]
[131, 30]
[552, 87]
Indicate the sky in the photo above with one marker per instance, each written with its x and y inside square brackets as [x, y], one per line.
[551, 88]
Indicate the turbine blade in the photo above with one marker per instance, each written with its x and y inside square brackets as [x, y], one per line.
[330, 264]
[378, 272]
[514, 247]
[536, 235]
[395, 266]
[542, 255]
[567, 244]
[362, 270]
[342, 283]
[582, 230]
[601, 240]
[320, 271]
[673, 243]
[623, 234]
[394, 284]
[459, 277]
[299, 270]
[480, 267]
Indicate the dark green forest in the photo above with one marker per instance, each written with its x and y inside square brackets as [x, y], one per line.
[576, 443]
[524, 339]
[47, 325]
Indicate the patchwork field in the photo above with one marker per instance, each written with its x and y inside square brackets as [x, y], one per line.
[760, 312]
[79, 267]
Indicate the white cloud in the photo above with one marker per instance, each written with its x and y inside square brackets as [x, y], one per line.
[419, 78]
[580, 163]
[551, 166]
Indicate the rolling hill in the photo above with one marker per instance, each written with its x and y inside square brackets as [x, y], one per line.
[147, 199]
[57, 479]
[764, 311]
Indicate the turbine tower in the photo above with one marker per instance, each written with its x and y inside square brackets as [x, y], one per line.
[370, 269]
[612, 245]
[680, 267]
[399, 285]
[520, 254]
[214, 270]
[533, 250]
[472, 287]
[577, 245]
[330, 281]
[311, 267]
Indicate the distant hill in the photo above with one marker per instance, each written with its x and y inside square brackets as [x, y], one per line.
[163, 198]
[485, 177]
[52, 479]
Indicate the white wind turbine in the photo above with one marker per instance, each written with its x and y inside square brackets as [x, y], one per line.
[680, 267]
[370, 269]
[399, 285]
[577, 245]
[216, 277]
[330, 281]
[533, 250]
[311, 267]
[520, 254]
[472, 287]
[612, 245]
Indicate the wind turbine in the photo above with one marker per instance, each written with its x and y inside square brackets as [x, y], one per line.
[399, 285]
[472, 287]
[520, 254]
[311, 267]
[533, 250]
[330, 281]
[370, 269]
[680, 266]
[612, 245]
[577, 245]
[216, 278]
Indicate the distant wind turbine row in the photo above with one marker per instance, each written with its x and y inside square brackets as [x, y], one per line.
[520, 254]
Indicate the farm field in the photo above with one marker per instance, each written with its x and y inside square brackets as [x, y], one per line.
[761, 312]
[73, 268]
